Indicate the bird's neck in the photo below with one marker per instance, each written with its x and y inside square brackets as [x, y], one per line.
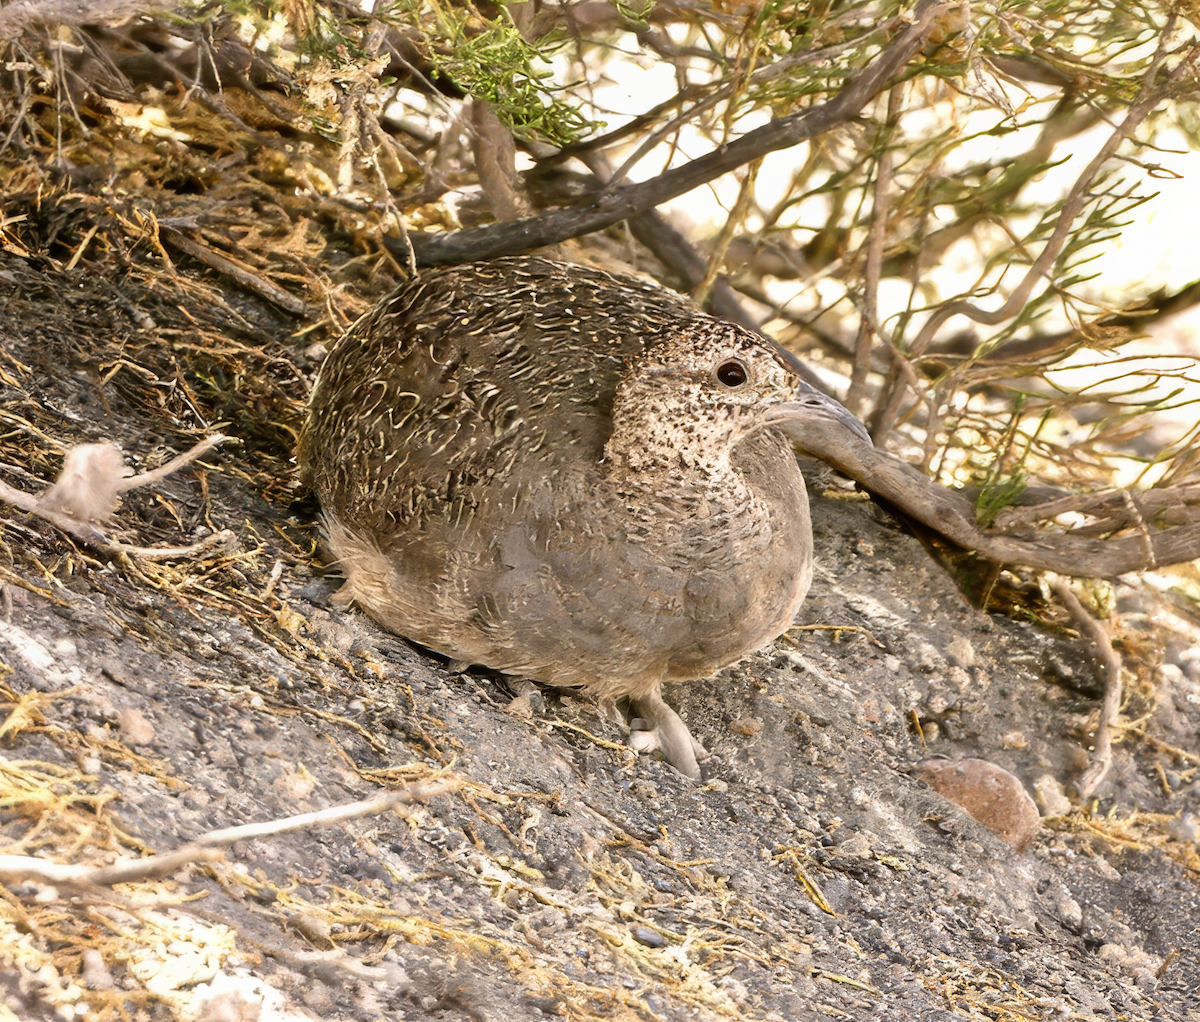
[662, 445]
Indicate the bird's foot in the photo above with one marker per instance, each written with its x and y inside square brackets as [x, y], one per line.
[654, 725]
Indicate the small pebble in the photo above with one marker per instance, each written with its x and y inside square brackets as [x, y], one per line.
[648, 937]
[135, 728]
[989, 793]
[1050, 796]
[95, 972]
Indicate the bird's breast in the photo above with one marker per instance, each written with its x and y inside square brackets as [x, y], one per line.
[699, 577]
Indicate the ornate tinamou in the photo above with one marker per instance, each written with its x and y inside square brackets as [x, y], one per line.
[566, 475]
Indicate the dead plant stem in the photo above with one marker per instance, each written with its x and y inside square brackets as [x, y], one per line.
[1110, 669]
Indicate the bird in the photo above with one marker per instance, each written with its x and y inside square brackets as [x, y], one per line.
[567, 475]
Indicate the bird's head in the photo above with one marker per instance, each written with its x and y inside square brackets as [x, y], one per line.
[705, 388]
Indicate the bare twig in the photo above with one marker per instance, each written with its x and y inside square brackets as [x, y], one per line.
[1043, 349]
[679, 255]
[222, 540]
[237, 271]
[324, 817]
[204, 848]
[761, 75]
[856, 395]
[732, 222]
[1151, 94]
[1110, 669]
[1120, 507]
[157, 475]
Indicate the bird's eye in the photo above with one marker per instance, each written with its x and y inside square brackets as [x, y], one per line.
[732, 373]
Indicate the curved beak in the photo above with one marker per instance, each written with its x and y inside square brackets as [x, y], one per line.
[811, 411]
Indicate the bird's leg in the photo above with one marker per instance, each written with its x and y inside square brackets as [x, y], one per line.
[654, 725]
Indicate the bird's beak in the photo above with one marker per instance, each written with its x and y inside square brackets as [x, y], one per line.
[810, 411]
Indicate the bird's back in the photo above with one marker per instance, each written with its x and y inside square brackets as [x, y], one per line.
[459, 375]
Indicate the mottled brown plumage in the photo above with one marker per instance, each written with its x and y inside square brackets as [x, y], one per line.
[565, 475]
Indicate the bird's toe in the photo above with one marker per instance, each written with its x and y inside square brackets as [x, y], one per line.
[658, 728]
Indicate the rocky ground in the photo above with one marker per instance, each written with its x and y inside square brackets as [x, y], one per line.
[810, 874]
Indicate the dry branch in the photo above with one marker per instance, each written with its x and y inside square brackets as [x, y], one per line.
[1110, 669]
[1120, 508]
[1045, 349]
[899, 484]
[23, 14]
[621, 203]
[679, 255]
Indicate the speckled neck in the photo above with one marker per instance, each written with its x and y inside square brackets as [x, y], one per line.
[671, 440]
